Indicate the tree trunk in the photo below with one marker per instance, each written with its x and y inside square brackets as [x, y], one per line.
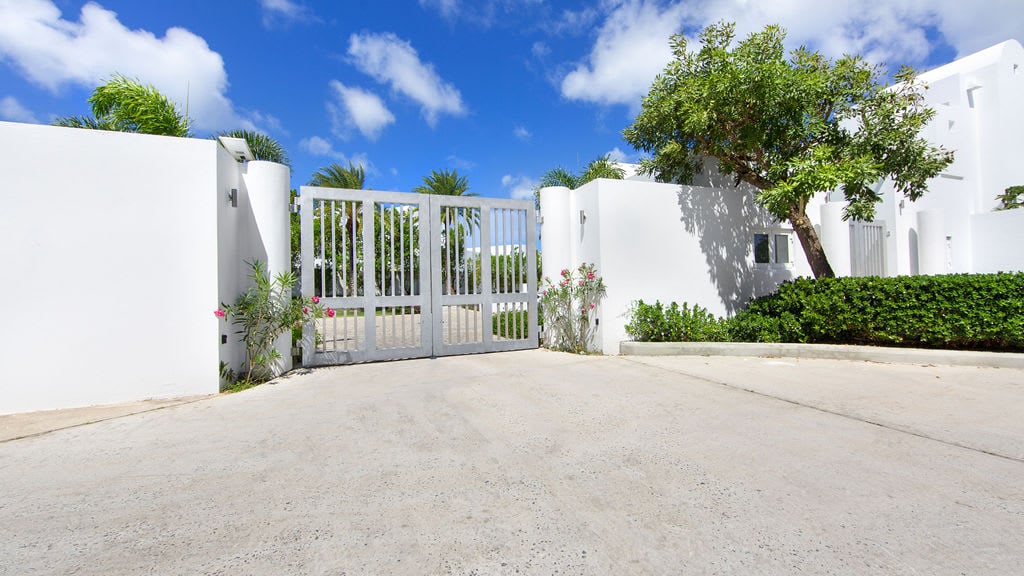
[811, 243]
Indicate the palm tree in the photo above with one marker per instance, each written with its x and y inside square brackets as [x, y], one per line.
[127, 105]
[263, 147]
[352, 178]
[445, 183]
[602, 167]
[457, 223]
[337, 176]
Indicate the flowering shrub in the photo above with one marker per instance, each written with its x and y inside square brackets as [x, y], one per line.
[568, 308]
[263, 313]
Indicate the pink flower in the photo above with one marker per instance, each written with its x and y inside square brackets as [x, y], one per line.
[591, 306]
[565, 272]
[543, 292]
[219, 313]
[330, 312]
[316, 299]
[563, 283]
[305, 310]
[590, 275]
[581, 282]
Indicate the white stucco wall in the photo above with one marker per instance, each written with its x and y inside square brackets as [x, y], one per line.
[115, 251]
[664, 242]
[999, 241]
[979, 117]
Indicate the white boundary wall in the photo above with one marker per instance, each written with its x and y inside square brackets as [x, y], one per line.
[666, 242]
[115, 250]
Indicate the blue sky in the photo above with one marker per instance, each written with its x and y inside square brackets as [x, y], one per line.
[501, 90]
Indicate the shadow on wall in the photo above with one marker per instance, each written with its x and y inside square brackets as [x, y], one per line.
[725, 217]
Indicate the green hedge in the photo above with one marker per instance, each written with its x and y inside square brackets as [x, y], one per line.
[960, 311]
[513, 324]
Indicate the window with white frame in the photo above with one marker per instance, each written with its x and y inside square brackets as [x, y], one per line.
[772, 247]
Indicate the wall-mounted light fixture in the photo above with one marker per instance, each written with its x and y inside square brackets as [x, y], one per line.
[583, 217]
[233, 197]
[237, 147]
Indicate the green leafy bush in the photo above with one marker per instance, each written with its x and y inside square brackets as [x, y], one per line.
[967, 311]
[957, 311]
[512, 324]
[656, 323]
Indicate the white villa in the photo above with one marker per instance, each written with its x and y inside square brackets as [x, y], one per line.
[710, 244]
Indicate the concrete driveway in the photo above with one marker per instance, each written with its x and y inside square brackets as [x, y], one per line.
[540, 463]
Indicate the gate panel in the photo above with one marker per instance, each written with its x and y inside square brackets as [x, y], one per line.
[412, 275]
[867, 248]
[362, 255]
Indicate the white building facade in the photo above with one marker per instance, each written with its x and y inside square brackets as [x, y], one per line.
[712, 245]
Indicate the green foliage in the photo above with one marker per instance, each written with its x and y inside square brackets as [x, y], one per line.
[444, 183]
[969, 311]
[603, 167]
[568, 308]
[512, 324]
[127, 105]
[1012, 197]
[336, 176]
[656, 323]
[263, 147]
[262, 314]
[789, 126]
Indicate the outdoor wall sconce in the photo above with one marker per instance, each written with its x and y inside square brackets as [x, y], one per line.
[583, 217]
[233, 197]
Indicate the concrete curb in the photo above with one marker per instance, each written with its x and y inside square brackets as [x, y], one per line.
[826, 352]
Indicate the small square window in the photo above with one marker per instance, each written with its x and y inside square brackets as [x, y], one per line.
[762, 249]
[771, 248]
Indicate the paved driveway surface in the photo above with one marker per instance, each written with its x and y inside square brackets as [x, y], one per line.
[540, 463]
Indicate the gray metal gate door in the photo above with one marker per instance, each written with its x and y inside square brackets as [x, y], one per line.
[416, 275]
[867, 248]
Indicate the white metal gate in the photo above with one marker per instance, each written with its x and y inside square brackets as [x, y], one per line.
[415, 275]
[867, 248]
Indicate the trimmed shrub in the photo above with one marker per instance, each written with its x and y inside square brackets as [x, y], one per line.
[656, 323]
[960, 311]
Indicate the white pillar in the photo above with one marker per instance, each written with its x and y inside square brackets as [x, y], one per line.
[266, 184]
[931, 242]
[555, 229]
[835, 237]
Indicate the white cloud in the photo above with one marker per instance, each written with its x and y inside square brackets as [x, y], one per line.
[283, 11]
[393, 61]
[540, 49]
[53, 52]
[479, 12]
[519, 187]
[522, 133]
[894, 32]
[355, 107]
[631, 47]
[322, 147]
[12, 110]
[617, 155]
[461, 163]
[448, 8]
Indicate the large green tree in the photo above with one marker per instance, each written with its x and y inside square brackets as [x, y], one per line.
[790, 125]
[123, 104]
